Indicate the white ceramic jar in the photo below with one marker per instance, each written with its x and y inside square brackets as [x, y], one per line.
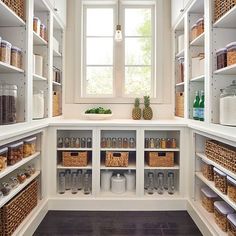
[118, 184]
[106, 180]
[130, 180]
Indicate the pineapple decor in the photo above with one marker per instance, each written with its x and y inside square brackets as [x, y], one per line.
[147, 111]
[136, 112]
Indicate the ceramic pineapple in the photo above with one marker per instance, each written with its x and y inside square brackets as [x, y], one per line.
[136, 112]
[147, 111]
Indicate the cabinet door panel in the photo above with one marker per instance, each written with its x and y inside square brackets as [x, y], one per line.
[177, 7]
[60, 7]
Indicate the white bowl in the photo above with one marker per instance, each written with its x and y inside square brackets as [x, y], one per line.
[97, 116]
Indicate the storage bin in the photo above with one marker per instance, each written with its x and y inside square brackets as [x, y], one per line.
[160, 159]
[15, 153]
[207, 171]
[117, 159]
[16, 57]
[179, 104]
[5, 52]
[29, 147]
[38, 65]
[221, 210]
[231, 54]
[3, 158]
[220, 179]
[200, 26]
[222, 7]
[74, 159]
[208, 198]
[221, 58]
[194, 32]
[231, 185]
[231, 224]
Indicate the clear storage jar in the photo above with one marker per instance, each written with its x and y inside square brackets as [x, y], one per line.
[3, 158]
[220, 179]
[231, 185]
[207, 170]
[29, 147]
[231, 54]
[200, 26]
[36, 25]
[43, 31]
[15, 153]
[5, 52]
[221, 210]
[208, 198]
[194, 32]
[221, 58]
[231, 224]
[16, 57]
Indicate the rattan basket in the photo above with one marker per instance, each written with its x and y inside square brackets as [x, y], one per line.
[75, 159]
[14, 212]
[222, 7]
[160, 159]
[117, 159]
[179, 104]
[17, 6]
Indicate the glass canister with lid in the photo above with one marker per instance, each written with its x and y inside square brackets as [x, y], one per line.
[231, 54]
[16, 57]
[200, 26]
[221, 58]
[227, 105]
[5, 52]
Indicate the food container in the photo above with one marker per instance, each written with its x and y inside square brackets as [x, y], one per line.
[16, 57]
[38, 104]
[38, 65]
[208, 198]
[231, 224]
[106, 180]
[160, 159]
[231, 185]
[6, 189]
[227, 105]
[220, 179]
[43, 33]
[5, 52]
[21, 178]
[194, 32]
[221, 210]
[130, 180]
[117, 159]
[231, 54]
[200, 26]
[180, 70]
[3, 158]
[36, 25]
[118, 184]
[29, 146]
[13, 182]
[15, 153]
[207, 170]
[163, 143]
[173, 143]
[221, 58]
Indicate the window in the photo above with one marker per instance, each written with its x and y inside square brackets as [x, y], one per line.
[116, 71]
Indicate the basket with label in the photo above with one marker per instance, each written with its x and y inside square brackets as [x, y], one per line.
[222, 154]
[117, 159]
[74, 159]
[160, 159]
[14, 212]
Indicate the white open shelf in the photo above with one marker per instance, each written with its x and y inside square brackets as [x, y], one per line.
[39, 78]
[229, 70]
[15, 191]
[198, 79]
[175, 167]
[9, 17]
[119, 149]
[228, 20]
[56, 83]
[39, 40]
[165, 195]
[180, 84]
[180, 54]
[6, 68]
[162, 149]
[74, 149]
[9, 169]
[199, 41]
[88, 167]
[226, 171]
[56, 53]
[68, 195]
[126, 194]
[131, 166]
[211, 185]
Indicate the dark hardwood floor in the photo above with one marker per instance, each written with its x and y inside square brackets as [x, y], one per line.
[73, 223]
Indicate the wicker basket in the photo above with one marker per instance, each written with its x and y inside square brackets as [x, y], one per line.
[222, 7]
[222, 154]
[56, 103]
[17, 6]
[117, 159]
[179, 107]
[160, 159]
[75, 159]
[14, 212]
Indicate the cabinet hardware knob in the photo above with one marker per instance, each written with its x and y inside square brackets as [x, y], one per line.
[182, 10]
[55, 9]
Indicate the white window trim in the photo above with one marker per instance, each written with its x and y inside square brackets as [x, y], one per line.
[118, 99]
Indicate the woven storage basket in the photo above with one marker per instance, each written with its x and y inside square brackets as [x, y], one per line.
[75, 159]
[222, 154]
[14, 212]
[117, 159]
[222, 7]
[160, 159]
[179, 106]
[56, 103]
[17, 6]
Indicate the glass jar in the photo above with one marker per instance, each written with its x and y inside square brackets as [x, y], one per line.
[74, 188]
[72, 142]
[231, 54]
[66, 142]
[171, 183]
[27, 173]
[114, 143]
[108, 142]
[83, 143]
[221, 58]
[31, 168]
[103, 142]
[200, 26]
[168, 143]
[173, 143]
[163, 143]
[89, 142]
[13, 182]
[150, 185]
[160, 183]
[79, 179]
[16, 57]
[15, 153]
[21, 178]
[60, 142]
[119, 142]
[86, 184]
[43, 33]
[5, 52]
[6, 189]
[36, 25]
[180, 69]
[29, 147]
[157, 143]
[68, 180]
[77, 142]
[132, 143]
[38, 104]
[61, 183]
[146, 143]
[125, 143]
[227, 105]
[3, 158]
[152, 143]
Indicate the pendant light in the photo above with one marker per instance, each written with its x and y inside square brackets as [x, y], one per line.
[118, 33]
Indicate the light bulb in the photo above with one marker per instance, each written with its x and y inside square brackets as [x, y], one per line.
[118, 34]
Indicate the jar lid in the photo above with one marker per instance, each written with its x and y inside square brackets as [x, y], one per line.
[30, 140]
[208, 192]
[201, 19]
[231, 45]
[232, 218]
[231, 180]
[221, 50]
[219, 172]
[223, 207]
[42, 25]
[16, 145]
[230, 90]
[3, 150]
[4, 42]
[118, 178]
[16, 48]
[36, 18]
[194, 26]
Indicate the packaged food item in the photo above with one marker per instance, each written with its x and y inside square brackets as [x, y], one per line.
[36, 25]
[29, 147]
[221, 58]
[194, 32]
[231, 224]
[5, 52]
[163, 143]
[173, 143]
[231, 54]
[72, 142]
[231, 184]
[157, 143]
[16, 57]
[125, 143]
[220, 179]
[15, 153]
[21, 178]
[168, 143]
[43, 33]
[200, 26]
[208, 198]
[221, 210]
[207, 170]
[3, 158]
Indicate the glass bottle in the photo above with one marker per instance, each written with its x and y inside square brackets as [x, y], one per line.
[119, 142]
[168, 143]
[163, 143]
[103, 142]
[171, 183]
[173, 143]
[146, 143]
[108, 142]
[160, 183]
[157, 143]
[145, 180]
[68, 179]
[83, 143]
[72, 142]
[201, 107]
[113, 143]
[89, 143]
[196, 106]
[79, 179]
[66, 142]
[131, 143]
[60, 142]
[125, 143]
[152, 143]
[86, 184]
[77, 142]
[150, 188]
[61, 183]
[74, 188]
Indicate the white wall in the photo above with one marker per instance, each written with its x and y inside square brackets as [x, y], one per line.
[73, 110]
